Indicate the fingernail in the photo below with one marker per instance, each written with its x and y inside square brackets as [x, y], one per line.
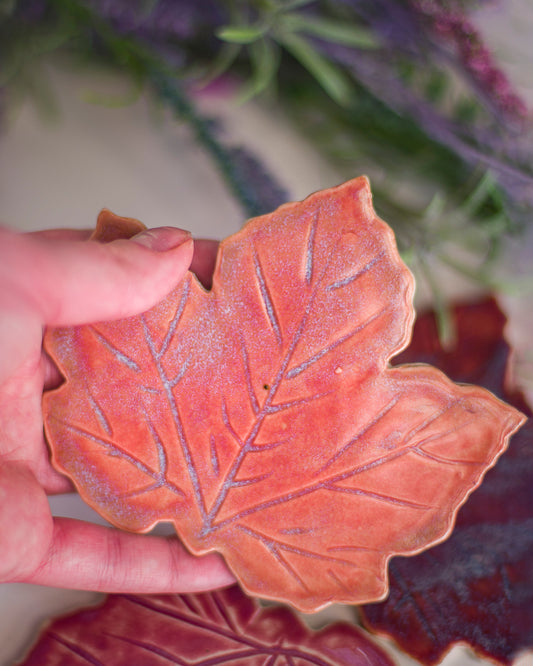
[162, 238]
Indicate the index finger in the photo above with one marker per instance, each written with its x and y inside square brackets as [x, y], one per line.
[93, 557]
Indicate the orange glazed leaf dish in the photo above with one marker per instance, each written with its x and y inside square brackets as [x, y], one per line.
[262, 417]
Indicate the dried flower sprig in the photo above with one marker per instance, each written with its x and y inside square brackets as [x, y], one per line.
[448, 22]
[391, 107]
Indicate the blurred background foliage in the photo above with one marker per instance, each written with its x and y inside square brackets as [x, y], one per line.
[402, 90]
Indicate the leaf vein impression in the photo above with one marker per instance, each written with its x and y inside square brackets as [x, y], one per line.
[214, 455]
[150, 647]
[386, 410]
[142, 490]
[77, 650]
[223, 611]
[161, 453]
[419, 450]
[254, 648]
[248, 375]
[294, 372]
[101, 417]
[276, 544]
[196, 619]
[352, 278]
[248, 443]
[274, 550]
[111, 446]
[328, 483]
[181, 372]
[267, 299]
[191, 601]
[167, 385]
[282, 406]
[309, 261]
[338, 581]
[175, 320]
[378, 496]
[251, 480]
[119, 355]
[226, 421]
[158, 477]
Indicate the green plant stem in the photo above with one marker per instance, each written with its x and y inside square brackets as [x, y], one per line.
[445, 325]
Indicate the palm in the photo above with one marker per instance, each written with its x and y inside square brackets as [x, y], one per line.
[36, 547]
[25, 473]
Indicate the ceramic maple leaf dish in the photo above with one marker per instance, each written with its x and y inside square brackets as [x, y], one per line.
[262, 417]
[210, 629]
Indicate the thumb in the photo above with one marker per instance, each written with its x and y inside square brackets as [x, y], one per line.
[69, 282]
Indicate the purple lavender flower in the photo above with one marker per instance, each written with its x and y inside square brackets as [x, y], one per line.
[447, 22]
[175, 20]
[437, 31]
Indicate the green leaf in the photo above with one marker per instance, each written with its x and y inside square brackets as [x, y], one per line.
[265, 57]
[445, 324]
[482, 190]
[331, 78]
[240, 34]
[332, 31]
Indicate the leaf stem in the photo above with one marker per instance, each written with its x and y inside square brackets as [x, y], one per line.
[445, 325]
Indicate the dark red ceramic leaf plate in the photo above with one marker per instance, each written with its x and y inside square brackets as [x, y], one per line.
[477, 587]
[211, 629]
[262, 417]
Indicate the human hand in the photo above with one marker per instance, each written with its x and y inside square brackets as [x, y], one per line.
[58, 278]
